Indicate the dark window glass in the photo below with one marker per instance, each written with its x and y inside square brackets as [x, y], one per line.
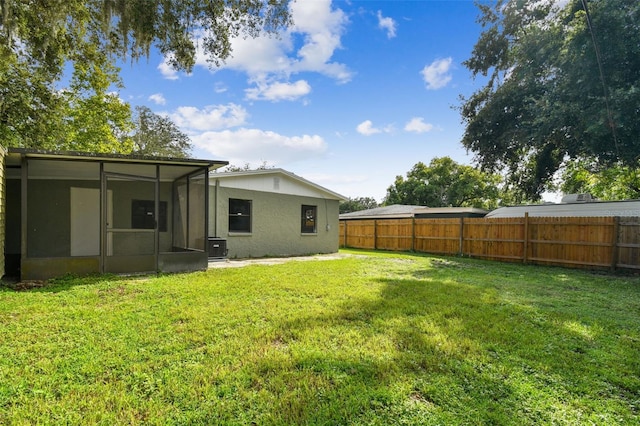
[239, 215]
[309, 216]
[143, 217]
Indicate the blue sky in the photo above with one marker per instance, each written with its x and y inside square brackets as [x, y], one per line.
[354, 94]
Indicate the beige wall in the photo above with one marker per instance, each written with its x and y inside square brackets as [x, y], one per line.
[275, 223]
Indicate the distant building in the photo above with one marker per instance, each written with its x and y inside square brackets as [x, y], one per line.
[400, 211]
[572, 205]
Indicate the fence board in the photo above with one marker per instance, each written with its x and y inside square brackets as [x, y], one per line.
[495, 239]
[439, 236]
[571, 241]
[603, 242]
[628, 243]
[360, 234]
[394, 234]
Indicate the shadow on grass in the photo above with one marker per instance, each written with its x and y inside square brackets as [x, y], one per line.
[440, 341]
[461, 353]
[61, 284]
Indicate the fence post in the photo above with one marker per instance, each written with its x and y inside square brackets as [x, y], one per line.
[614, 243]
[526, 238]
[413, 234]
[375, 234]
[461, 251]
[345, 232]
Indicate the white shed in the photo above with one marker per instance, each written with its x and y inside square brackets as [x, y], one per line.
[572, 209]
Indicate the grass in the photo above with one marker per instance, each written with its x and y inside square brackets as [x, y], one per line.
[375, 338]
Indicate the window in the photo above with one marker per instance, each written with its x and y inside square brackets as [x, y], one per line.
[239, 215]
[309, 216]
[143, 217]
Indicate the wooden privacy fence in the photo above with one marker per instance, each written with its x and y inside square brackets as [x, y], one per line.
[587, 242]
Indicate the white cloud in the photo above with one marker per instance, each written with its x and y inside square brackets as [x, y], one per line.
[322, 29]
[254, 56]
[279, 91]
[254, 146]
[417, 125]
[366, 128]
[158, 99]
[437, 75]
[387, 24]
[307, 46]
[167, 71]
[212, 117]
[219, 87]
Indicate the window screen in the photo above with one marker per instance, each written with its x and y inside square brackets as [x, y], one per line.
[143, 217]
[239, 215]
[309, 216]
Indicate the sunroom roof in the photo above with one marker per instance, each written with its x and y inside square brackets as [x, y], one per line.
[68, 164]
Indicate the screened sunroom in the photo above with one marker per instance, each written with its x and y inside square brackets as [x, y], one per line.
[85, 213]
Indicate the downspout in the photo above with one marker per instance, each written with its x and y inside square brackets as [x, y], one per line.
[215, 209]
[206, 208]
[326, 215]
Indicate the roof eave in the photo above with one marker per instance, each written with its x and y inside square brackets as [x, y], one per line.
[126, 158]
[333, 195]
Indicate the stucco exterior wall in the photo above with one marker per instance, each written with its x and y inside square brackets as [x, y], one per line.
[275, 224]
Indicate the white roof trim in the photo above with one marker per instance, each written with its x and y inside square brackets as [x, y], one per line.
[277, 171]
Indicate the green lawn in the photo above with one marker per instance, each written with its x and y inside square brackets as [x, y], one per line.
[374, 338]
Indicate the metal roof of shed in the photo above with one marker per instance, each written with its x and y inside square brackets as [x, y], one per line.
[399, 211]
[589, 209]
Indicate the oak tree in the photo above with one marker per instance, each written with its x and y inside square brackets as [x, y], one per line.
[158, 135]
[357, 204]
[40, 41]
[609, 183]
[562, 83]
[445, 183]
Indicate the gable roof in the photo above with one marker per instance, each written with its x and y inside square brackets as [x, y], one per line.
[399, 211]
[393, 211]
[273, 180]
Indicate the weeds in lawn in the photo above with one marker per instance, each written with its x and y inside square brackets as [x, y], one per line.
[378, 338]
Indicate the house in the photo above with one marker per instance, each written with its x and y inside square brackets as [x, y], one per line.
[270, 212]
[573, 205]
[400, 211]
[80, 213]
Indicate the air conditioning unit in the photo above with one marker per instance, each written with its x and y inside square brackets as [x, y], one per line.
[577, 198]
[217, 248]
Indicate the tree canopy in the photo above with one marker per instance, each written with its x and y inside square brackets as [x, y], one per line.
[562, 84]
[445, 183]
[40, 41]
[612, 183]
[158, 135]
[357, 204]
